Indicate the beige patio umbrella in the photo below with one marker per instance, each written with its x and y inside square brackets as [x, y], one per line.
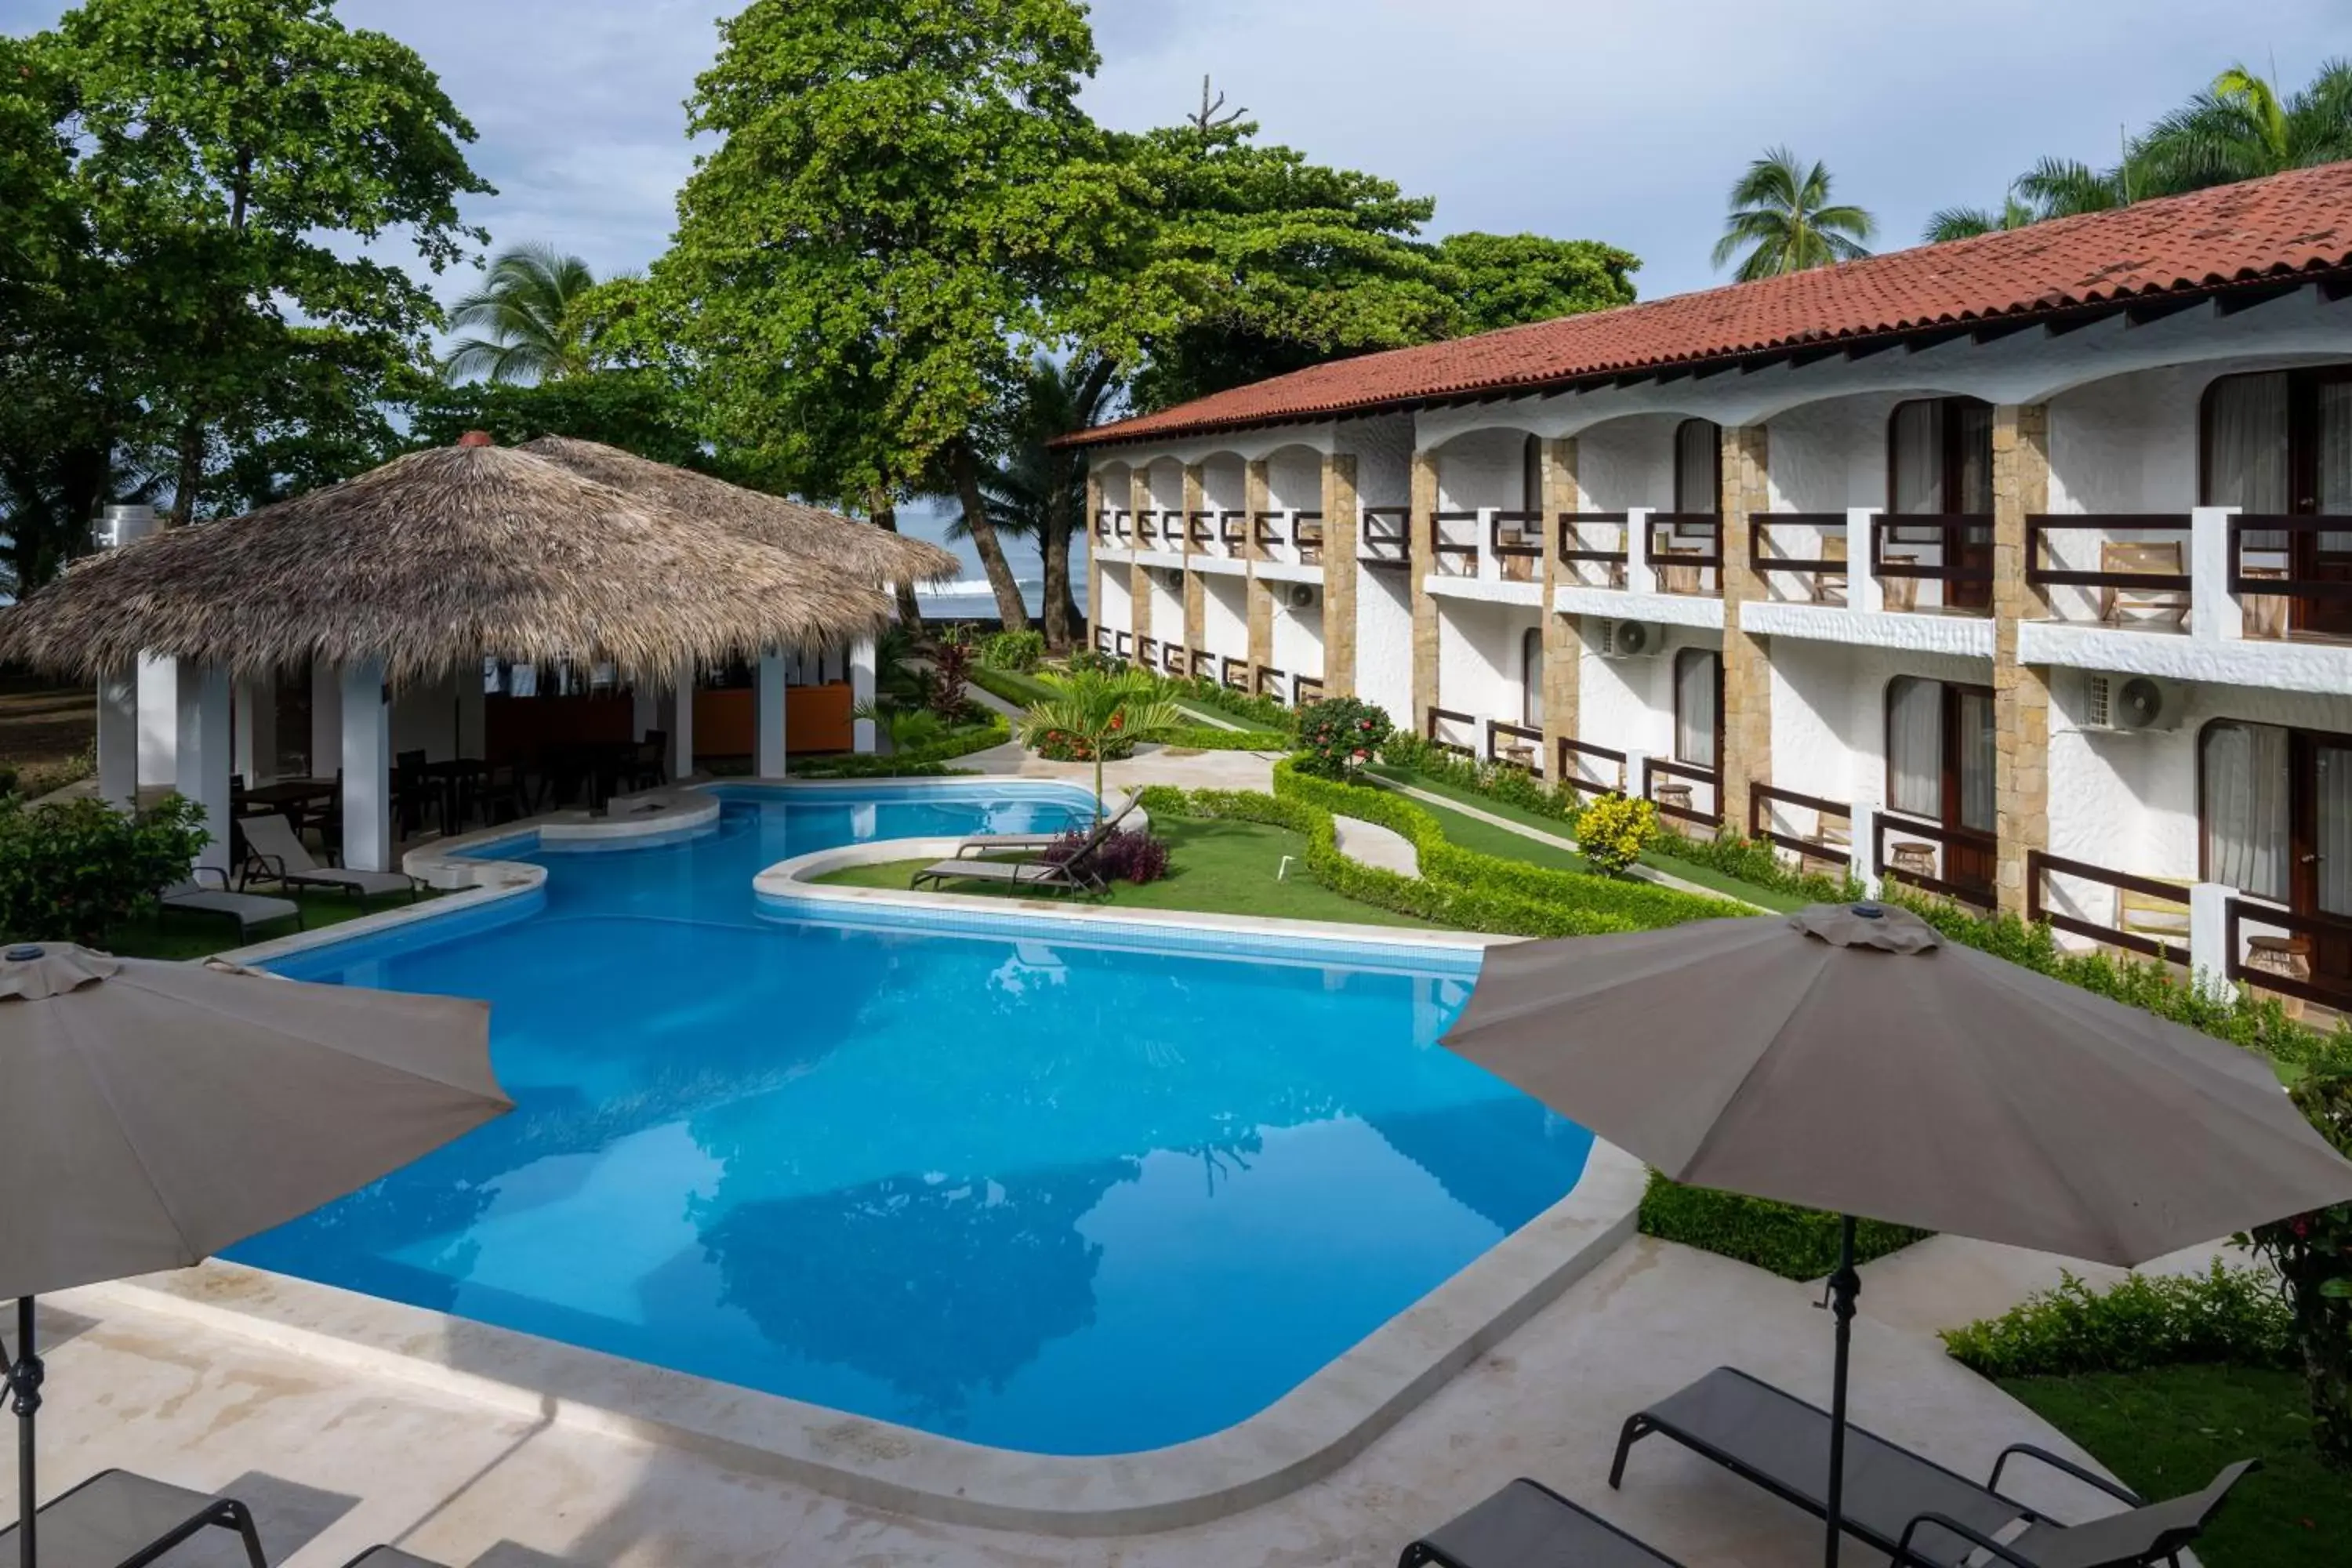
[153, 1113]
[1848, 1059]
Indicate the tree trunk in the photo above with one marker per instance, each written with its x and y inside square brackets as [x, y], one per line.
[190, 478]
[1061, 610]
[910, 613]
[991, 550]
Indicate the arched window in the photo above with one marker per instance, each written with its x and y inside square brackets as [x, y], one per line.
[1531, 674]
[1698, 466]
[2244, 775]
[2280, 442]
[1531, 493]
[1939, 464]
[1940, 760]
[1699, 706]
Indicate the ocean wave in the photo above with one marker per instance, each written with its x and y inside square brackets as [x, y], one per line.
[969, 587]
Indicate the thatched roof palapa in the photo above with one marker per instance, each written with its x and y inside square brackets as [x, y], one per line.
[444, 557]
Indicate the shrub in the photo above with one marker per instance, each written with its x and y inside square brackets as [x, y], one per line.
[1793, 1242]
[920, 762]
[78, 870]
[2313, 1253]
[1248, 706]
[1339, 735]
[7, 781]
[1018, 651]
[2224, 1315]
[952, 666]
[1209, 738]
[1086, 659]
[1612, 831]
[1061, 746]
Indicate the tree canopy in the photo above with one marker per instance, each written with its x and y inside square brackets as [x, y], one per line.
[1782, 219]
[530, 307]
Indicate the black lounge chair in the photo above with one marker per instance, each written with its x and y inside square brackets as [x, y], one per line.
[389, 1557]
[1013, 842]
[1022, 861]
[1913, 1509]
[118, 1520]
[1529, 1525]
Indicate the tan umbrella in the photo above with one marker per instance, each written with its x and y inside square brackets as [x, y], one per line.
[153, 1113]
[1848, 1059]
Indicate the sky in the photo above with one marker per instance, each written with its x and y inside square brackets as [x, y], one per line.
[1624, 122]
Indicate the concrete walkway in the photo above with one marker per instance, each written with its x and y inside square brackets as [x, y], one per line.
[334, 1459]
[1369, 844]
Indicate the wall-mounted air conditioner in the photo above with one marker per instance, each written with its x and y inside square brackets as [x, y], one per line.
[1632, 640]
[1302, 596]
[2130, 704]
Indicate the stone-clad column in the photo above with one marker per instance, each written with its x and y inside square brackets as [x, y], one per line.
[2020, 693]
[1138, 578]
[1195, 591]
[1261, 594]
[1563, 635]
[1339, 569]
[1257, 494]
[1747, 658]
[1423, 526]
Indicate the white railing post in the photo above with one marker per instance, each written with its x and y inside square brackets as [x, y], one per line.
[1289, 534]
[1636, 764]
[861, 693]
[366, 762]
[1862, 836]
[118, 737]
[1640, 577]
[2215, 614]
[1489, 569]
[1863, 591]
[202, 756]
[2209, 936]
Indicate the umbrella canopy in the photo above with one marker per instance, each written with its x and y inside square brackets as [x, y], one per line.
[440, 559]
[1857, 1063]
[153, 1113]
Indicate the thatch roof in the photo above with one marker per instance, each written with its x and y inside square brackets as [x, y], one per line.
[870, 551]
[434, 561]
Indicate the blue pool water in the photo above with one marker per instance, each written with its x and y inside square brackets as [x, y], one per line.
[1037, 1194]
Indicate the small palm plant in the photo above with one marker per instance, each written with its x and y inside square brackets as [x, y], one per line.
[1781, 215]
[1094, 710]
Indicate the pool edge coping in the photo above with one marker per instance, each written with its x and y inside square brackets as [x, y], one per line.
[1329, 1419]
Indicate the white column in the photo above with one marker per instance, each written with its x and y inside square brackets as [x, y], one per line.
[326, 718]
[2209, 937]
[1634, 762]
[118, 737]
[201, 754]
[682, 726]
[1489, 569]
[1863, 589]
[1862, 831]
[257, 729]
[159, 720]
[861, 691]
[769, 695]
[366, 761]
[1640, 577]
[2215, 614]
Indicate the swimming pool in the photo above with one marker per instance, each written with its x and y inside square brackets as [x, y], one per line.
[1041, 1195]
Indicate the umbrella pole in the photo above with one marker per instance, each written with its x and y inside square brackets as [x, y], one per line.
[1844, 1286]
[24, 1383]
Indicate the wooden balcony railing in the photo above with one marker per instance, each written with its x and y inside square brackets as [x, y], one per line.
[1978, 894]
[2305, 932]
[1236, 674]
[1653, 767]
[1103, 527]
[1453, 555]
[1147, 653]
[1964, 551]
[1306, 531]
[1447, 715]
[1387, 538]
[1571, 748]
[1264, 535]
[1305, 689]
[1525, 749]
[1233, 533]
[2285, 579]
[1199, 528]
[1517, 545]
[1686, 551]
[1761, 823]
[2039, 867]
[1147, 530]
[1106, 642]
[1824, 572]
[1576, 544]
[1268, 681]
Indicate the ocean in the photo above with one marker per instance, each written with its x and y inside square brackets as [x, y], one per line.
[969, 595]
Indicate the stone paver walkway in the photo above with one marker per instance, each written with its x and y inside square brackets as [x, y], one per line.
[1369, 844]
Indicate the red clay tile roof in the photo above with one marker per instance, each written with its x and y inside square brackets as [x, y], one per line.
[2286, 224]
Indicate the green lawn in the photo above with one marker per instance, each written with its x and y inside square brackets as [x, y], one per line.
[2167, 1431]
[184, 936]
[1215, 867]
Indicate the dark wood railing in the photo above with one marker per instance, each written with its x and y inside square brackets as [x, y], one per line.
[1103, 526]
[1957, 532]
[1305, 688]
[1126, 648]
[1147, 653]
[1199, 528]
[1569, 746]
[1263, 533]
[1263, 674]
[1760, 799]
[1236, 674]
[2039, 867]
[2243, 580]
[1653, 766]
[1233, 533]
[1573, 548]
[1388, 537]
[1980, 895]
[1532, 748]
[1449, 716]
[1147, 529]
[1665, 527]
[1453, 557]
[2040, 526]
[2311, 927]
[1761, 560]
[1106, 642]
[1306, 531]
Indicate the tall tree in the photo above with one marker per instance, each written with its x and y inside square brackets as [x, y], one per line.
[529, 307]
[229, 158]
[2242, 127]
[2053, 187]
[1038, 491]
[1509, 280]
[898, 201]
[1782, 219]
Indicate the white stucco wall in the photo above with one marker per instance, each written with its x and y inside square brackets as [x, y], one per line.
[1298, 633]
[1224, 481]
[1224, 614]
[1167, 478]
[1479, 658]
[1294, 479]
[1385, 643]
[1627, 462]
[1627, 705]
[1829, 711]
[1167, 605]
[1117, 605]
[1383, 448]
[1482, 468]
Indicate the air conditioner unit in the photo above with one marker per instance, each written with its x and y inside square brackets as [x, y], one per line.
[1302, 596]
[2130, 704]
[1632, 640]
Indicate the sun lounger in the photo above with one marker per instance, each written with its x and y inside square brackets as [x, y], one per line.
[249, 909]
[1915, 1510]
[117, 1519]
[1071, 876]
[1529, 1525]
[272, 848]
[1009, 843]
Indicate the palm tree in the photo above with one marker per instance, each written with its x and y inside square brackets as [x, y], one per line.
[2053, 187]
[2241, 129]
[527, 303]
[1781, 215]
[1035, 491]
[1095, 708]
[1966, 223]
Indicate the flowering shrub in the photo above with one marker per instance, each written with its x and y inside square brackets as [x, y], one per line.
[1612, 831]
[952, 664]
[1128, 855]
[2313, 1253]
[1061, 746]
[77, 871]
[1018, 650]
[1086, 658]
[1339, 735]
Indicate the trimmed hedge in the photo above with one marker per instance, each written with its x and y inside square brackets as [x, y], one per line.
[1018, 688]
[2224, 1315]
[1794, 1243]
[921, 762]
[1209, 738]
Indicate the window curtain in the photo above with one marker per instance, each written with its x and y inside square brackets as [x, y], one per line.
[2334, 840]
[1918, 437]
[1976, 457]
[1698, 443]
[1531, 678]
[1915, 749]
[2246, 448]
[2245, 789]
[1696, 676]
[1531, 498]
[2334, 460]
[1978, 750]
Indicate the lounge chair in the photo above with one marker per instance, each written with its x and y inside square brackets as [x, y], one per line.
[1071, 876]
[272, 849]
[118, 1520]
[1529, 1525]
[1913, 1509]
[247, 909]
[1015, 843]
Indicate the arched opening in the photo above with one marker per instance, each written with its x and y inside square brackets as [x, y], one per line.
[1531, 674]
[1939, 470]
[2279, 443]
[1941, 760]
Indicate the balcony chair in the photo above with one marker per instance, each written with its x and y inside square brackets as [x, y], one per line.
[1899, 594]
[1529, 1525]
[1829, 587]
[2143, 607]
[1676, 579]
[2163, 920]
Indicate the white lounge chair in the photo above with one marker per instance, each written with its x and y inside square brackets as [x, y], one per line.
[272, 848]
[247, 909]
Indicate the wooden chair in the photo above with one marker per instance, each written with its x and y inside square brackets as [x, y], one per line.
[1674, 579]
[2164, 919]
[2264, 614]
[2132, 605]
[1829, 587]
[1900, 595]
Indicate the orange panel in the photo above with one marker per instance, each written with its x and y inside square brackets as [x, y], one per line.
[816, 718]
